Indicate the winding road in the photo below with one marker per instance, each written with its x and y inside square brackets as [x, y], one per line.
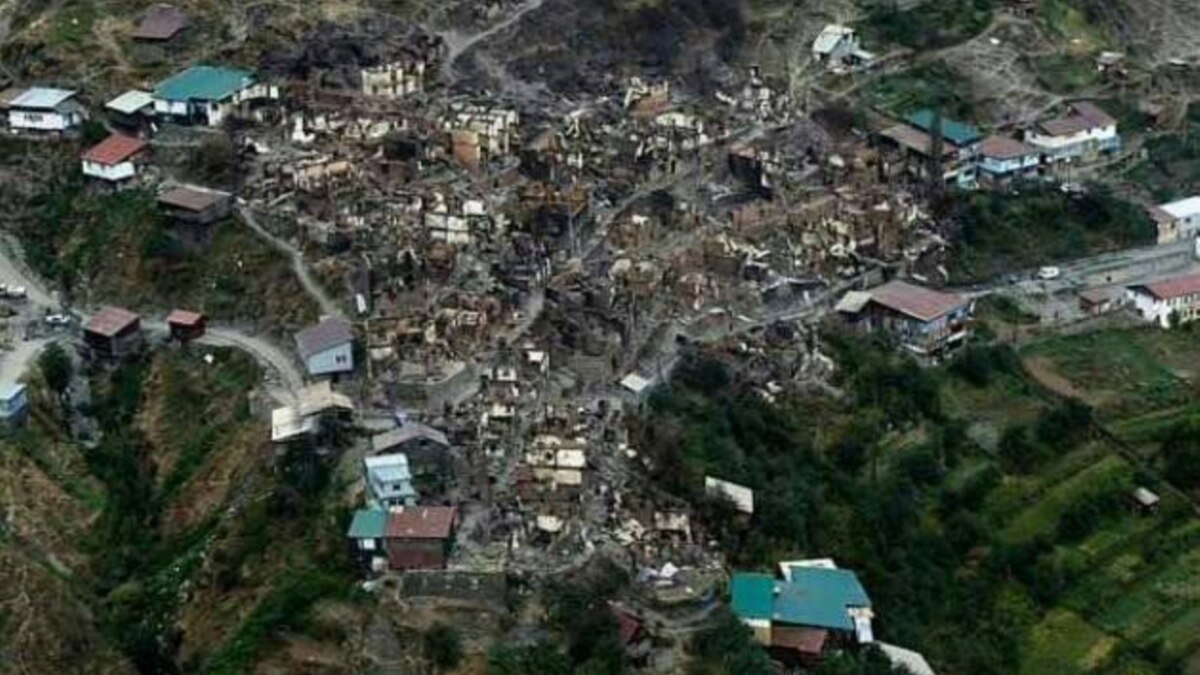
[458, 44]
[299, 266]
[285, 378]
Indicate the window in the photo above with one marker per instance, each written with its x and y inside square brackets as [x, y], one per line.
[368, 544]
[340, 358]
[33, 117]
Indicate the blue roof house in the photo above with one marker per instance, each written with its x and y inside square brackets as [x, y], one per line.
[808, 609]
[389, 481]
[206, 94]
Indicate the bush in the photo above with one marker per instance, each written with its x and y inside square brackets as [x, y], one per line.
[1018, 452]
[443, 647]
[978, 364]
[56, 368]
[1181, 455]
[930, 25]
[1036, 224]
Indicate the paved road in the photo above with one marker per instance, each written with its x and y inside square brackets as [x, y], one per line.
[314, 289]
[268, 355]
[13, 364]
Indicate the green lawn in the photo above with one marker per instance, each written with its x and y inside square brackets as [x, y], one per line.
[1065, 644]
[1066, 74]
[1125, 372]
[1156, 601]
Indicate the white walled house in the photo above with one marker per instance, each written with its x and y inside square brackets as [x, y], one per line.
[45, 109]
[327, 348]
[1084, 133]
[114, 159]
[207, 94]
[1177, 220]
[1167, 301]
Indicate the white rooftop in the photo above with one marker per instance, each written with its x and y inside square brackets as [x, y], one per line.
[41, 98]
[1184, 208]
[741, 496]
[829, 37]
[635, 383]
[906, 659]
[130, 102]
[287, 423]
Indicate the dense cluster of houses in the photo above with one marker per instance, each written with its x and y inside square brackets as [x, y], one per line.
[967, 158]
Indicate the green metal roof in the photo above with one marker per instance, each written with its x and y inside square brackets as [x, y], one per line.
[815, 597]
[752, 595]
[956, 132]
[203, 83]
[368, 524]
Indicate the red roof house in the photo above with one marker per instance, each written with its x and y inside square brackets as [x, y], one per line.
[113, 158]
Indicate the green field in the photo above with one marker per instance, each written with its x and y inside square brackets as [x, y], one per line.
[1131, 587]
[1064, 644]
[1125, 373]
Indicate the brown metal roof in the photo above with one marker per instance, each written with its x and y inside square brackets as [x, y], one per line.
[183, 317]
[192, 198]
[1003, 147]
[1083, 116]
[809, 641]
[115, 149]
[161, 22]
[918, 302]
[111, 321]
[1092, 113]
[421, 522]
[914, 139]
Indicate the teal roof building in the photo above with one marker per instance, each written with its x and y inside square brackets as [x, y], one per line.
[203, 83]
[368, 524]
[954, 132]
[814, 597]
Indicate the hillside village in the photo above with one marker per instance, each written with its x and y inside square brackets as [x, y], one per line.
[753, 362]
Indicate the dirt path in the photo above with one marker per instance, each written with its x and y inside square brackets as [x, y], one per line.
[314, 289]
[1041, 370]
[458, 44]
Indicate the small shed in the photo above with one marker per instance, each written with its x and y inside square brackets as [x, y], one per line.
[195, 205]
[160, 23]
[186, 325]
[1097, 301]
[366, 533]
[1145, 501]
[113, 333]
[132, 110]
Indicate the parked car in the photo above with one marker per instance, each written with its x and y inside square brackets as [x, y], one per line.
[1049, 273]
[57, 320]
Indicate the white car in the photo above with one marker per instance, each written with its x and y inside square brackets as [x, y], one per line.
[1049, 273]
[57, 320]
